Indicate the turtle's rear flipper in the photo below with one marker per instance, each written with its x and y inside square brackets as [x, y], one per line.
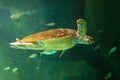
[62, 53]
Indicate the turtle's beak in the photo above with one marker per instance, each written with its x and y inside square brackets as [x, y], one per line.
[91, 41]
[88, 39]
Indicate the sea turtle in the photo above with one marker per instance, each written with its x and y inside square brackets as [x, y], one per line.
[51, 41]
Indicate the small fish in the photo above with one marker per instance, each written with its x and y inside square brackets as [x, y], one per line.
[50, 24]
[108, 76]
[48, 52]
[32, 55]
[14, 70]
[37, 68]
[97, 47]
[100, 31]
[7, 68]
[113, 49]
[17, 14]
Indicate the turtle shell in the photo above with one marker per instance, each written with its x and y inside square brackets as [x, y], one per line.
[49, 35]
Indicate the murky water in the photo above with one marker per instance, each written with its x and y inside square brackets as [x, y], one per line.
[82, 62]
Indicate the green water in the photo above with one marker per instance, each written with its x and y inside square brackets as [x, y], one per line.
[83, 62]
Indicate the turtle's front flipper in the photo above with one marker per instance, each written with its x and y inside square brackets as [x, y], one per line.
[48, 52]
[82, 27]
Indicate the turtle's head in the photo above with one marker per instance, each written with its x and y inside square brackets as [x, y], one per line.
[85, 40]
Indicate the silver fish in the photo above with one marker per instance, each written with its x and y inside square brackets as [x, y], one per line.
[97, 47]
[108, 76]
[50, 24]
[113, 49]
[32, 55]
[14, 70]
[7, 68]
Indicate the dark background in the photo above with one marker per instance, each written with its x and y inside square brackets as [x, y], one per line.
[79, 63]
